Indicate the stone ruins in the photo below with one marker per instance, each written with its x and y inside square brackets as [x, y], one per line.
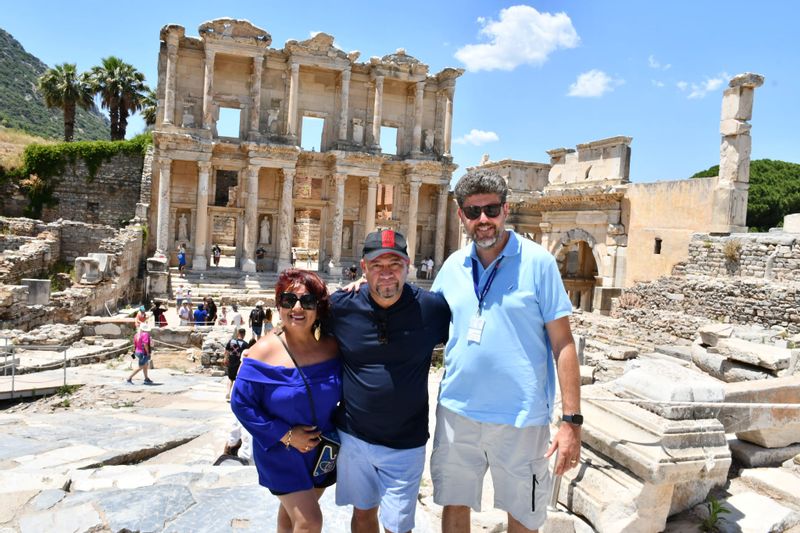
[687, 326]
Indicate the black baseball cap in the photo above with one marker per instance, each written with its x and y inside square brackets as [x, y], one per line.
[385, 241]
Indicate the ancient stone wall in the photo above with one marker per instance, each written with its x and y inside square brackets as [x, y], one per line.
[772, 256]
[79, 239]
[28, 249]
[108, 198]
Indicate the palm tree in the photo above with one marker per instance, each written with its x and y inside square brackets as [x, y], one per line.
[64, 88]
[149, 107]
[122, 89]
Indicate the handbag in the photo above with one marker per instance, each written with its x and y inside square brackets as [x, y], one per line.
[328, 448]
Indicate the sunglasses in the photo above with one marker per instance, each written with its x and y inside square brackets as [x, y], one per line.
[473, 212]
[287, 300]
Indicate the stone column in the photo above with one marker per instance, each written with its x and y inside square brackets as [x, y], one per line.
[345, 98]
[172, 78]
[545, 227]
[448, 120]
[164, 189]
[729, 211]
[200, 258]
[377, 112]
[372, 200]
[294, 86]
[338, 220]
[416, 138]
[286, 221]
[208, 84]
[255, 95]
[411, 235]
[250, 220]
[441, 227]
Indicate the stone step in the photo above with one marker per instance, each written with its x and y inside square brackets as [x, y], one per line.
[779, 483]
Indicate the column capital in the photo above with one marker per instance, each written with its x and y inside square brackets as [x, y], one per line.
[210, 54]
[289, 173]
[414, 183]
[204, 165]
[258, 60]
[346, 74]
[340, 178]
[294, 66]
[379, 82]
[253, 170]
[164, 164]
[373, 181]
[420, 87]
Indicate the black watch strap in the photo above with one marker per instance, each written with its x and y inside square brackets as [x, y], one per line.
[576, 419]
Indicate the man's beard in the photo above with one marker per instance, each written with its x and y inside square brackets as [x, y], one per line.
[388, 291]
[486, 242]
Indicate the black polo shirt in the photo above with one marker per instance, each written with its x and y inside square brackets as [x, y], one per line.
[386, 360]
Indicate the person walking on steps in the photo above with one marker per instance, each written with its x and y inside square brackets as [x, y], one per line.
[141, 351]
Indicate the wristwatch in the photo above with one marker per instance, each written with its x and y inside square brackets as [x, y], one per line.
[575, 419]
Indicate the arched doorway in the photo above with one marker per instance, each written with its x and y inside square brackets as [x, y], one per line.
[578, 268]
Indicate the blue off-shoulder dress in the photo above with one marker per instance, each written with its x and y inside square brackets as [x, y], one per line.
[268, 401]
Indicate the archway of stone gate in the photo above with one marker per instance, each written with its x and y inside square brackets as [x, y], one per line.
[578, 268]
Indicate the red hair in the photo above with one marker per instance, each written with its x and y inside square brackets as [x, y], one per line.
[313, 284]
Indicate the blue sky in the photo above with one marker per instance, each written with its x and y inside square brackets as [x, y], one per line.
[540, 75]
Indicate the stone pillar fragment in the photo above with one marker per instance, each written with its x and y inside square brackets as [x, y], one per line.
[729, 209]
[441, 227]
[251, 220]
[286, 221]
[372, 200]
[255, 95]
[200, 259]
[416, 136]
[294, 87]
[413, 207]
[208, 84]
[162, 220]
[338, 220]
[172, 78]
[345, 101]
[377, 112]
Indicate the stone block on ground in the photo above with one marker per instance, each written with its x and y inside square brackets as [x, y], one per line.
[755, 513]
[87, 270]
[779, 483]
[587, 374]
[665, 381]
[710, 334]
[755, 456]
[622, 353]
[721, 367]
[680, 352]
[765, 426]
[38, 291]
[762, 355]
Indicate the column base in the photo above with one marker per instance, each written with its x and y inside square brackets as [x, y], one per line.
[248, 265]
[412, 272]
[199, 262]
[283, 264]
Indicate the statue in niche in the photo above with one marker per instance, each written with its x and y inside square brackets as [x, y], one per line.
[183, 229]
[187, 120]
[272, 120]
[266, 237]
[427, 141]
[358, 131]
[346, 236]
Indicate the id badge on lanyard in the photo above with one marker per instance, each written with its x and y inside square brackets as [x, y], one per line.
[477, 323]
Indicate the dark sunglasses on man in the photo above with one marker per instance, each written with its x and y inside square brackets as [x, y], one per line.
[473, 212]
[287, 300]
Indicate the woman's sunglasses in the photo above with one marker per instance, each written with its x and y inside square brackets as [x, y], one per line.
[287, 300]
[474, 211]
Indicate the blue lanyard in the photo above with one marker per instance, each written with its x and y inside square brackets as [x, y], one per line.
[481, 295]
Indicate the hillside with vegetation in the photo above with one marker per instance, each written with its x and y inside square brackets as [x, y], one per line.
[774, 192]
[22, 106]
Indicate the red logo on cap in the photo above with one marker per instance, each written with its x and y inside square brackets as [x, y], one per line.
[387, 239]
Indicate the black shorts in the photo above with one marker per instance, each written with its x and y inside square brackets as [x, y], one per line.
[329, 480]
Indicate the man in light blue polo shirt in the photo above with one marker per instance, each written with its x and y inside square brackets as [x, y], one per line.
[509, 335]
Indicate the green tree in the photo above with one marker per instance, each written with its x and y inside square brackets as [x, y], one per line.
[774, 192]
[62, 87]
[149, 107]
[121, 89]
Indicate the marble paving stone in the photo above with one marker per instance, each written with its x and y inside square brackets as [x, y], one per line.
[779, 483]
[66, 520]
[755, 513]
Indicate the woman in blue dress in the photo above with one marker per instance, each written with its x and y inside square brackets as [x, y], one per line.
[271, 401]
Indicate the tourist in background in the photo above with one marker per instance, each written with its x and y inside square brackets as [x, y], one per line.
[185, 313]
[181, 259]
[141, 351]
[140, 318]
[211, 308]
[285, 395]
[233, 358]
[223, 320]
[158, 312]
[267, 321]
[216, 253]
[200, 316]
[256, 319]
[236, 319]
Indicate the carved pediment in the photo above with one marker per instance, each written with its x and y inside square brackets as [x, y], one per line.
[236, 30]
[320, 44]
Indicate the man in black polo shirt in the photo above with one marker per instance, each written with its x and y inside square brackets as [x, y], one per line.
[386, 335]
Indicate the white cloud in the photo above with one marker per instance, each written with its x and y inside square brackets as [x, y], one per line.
[521, 36]
[657, 83]
[477, 137]
[699, 90]
[654, 63]
[593, 84]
